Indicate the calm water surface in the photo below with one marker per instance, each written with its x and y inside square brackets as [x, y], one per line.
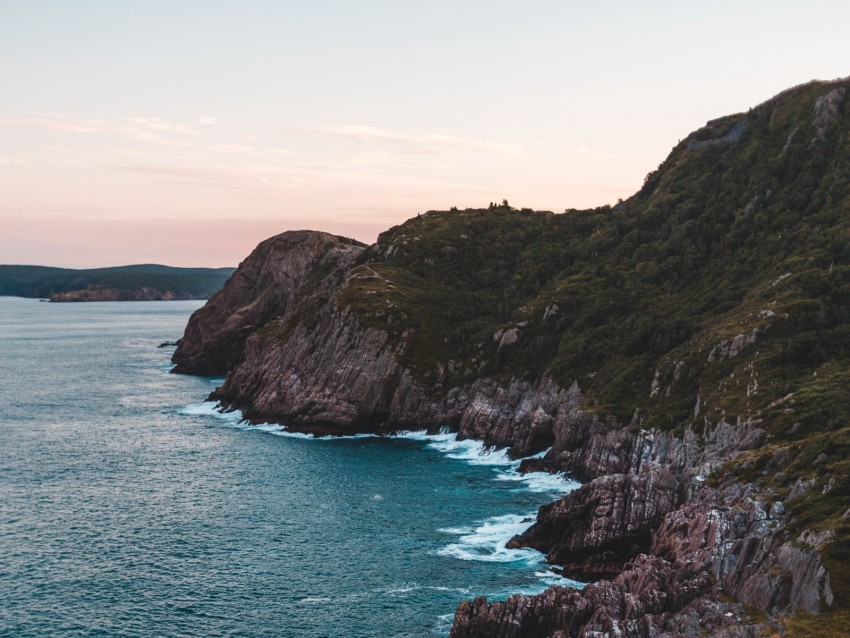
[128, 507]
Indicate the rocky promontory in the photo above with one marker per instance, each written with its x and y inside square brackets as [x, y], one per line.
[685, 354]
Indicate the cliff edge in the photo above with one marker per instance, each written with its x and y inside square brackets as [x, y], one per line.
[685, 353]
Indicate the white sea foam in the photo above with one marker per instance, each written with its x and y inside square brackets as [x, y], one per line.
[406, 589]
[414, 435]
[469, 450]
[314, 600]
[540, 481]
[487, 541]
[473, 452]
[444, 624]
[234, 418]
[213, 409]
[550, 578]
[484, 542]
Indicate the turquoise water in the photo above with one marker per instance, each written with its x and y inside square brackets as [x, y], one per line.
[128, 507]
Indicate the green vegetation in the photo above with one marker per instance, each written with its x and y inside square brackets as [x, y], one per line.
[43, 281]
[744, 231]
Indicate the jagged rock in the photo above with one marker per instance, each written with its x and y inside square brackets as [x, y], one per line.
[730, 348]
[318, 337]
[827, 110]
[595, 529]
[260, 289]
[648, 599]
[800, 488]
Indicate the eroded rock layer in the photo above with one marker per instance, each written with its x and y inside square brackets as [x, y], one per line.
[684, 354]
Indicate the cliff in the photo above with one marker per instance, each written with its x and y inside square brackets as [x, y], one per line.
[686, 353]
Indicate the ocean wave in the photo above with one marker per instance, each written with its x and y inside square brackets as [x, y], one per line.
[468, 450]
[545, 482]
[213, 409]
[401, 590]
[313, 600]
[549, 578]
[487, 541]
[235, 419]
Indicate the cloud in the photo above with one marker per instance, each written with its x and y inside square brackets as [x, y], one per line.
[586, 152]
[412, 144]
[151, 130]
[233, 149]
[168, 171]
[158, 124]
[50, 124]
[207, 121]
[11, 161]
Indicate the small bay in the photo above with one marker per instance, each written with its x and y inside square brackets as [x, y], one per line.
[129, 507]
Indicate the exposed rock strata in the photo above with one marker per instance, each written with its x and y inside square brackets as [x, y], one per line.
[671, 544]
[595, 530]
[660, 511]
[648, 598]
[258, 291]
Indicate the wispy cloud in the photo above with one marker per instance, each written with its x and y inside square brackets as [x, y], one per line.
[233, 149]
[586, 152]
[158, 124]
[168, 171]
[412, 144]
[151, 130]
[49, 123]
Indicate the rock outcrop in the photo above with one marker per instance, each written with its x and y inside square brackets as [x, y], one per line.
[648, 599]
[595, 530]
[626, 347]
[260, 290]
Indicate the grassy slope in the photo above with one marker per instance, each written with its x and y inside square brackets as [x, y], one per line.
[745, 226]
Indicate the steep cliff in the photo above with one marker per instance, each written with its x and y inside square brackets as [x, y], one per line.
[259, 291]
[686, 353]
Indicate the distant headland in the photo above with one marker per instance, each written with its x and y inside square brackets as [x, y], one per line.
[140, 282]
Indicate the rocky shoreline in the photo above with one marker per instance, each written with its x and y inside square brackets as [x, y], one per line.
[678, 551]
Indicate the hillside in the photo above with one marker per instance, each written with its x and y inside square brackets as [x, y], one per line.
[142, 281]
[685, 352]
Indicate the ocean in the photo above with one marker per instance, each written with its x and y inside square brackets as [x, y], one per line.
[129, 506]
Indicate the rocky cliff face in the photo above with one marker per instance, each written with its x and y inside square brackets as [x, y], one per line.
[697, 401]
[260, 290]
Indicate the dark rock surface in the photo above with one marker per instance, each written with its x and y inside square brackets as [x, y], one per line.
[671, 545]
[649, 598]
[314, 332]
[593, 531]
[260, 289]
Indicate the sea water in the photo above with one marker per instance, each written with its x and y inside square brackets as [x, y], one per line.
[131, 507]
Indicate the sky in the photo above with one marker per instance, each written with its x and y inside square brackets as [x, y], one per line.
[185, 132]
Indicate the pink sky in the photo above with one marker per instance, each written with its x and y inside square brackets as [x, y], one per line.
[185, 133]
